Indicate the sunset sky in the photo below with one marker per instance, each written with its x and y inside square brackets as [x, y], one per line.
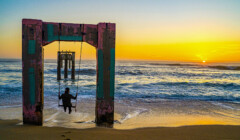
[175, 30]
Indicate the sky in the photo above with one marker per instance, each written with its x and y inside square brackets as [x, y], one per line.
[161, 30]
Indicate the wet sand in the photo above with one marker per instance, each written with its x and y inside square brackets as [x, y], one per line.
[10, 131]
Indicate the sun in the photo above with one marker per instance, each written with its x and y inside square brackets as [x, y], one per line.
[204, 61]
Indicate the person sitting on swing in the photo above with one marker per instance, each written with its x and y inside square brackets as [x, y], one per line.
[66, 100]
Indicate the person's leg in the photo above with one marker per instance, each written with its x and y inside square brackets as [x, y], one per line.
[65, 108]
[70, 109]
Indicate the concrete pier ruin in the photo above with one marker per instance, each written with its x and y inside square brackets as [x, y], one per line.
[36, 34]
[68, 58]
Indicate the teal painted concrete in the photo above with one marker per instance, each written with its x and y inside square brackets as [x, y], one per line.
[31, 46]
[52, 37]
[31, 78]
[71, 38]
[50, 32]
[100, 75]
[112, 71]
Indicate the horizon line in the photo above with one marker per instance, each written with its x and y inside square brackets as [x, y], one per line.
[186, 61]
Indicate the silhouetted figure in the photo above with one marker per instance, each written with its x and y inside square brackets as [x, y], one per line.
[66, 100]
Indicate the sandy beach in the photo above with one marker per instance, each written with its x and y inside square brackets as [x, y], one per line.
[10, 131]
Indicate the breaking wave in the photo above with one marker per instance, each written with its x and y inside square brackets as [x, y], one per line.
[219, 67]
[225, 67]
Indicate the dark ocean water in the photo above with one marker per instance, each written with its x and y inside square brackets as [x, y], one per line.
[136, 83]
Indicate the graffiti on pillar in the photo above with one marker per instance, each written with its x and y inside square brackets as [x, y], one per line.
[105, 113]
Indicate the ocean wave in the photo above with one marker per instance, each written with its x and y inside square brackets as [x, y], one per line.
[173, 64]
[12, 88]
[131, 66]
[207, 84]
[179, 85]
[225, 67]
[10, 106]
[10, 70]
[130, 72]
[87, 71]
[224, 106]
[185, 74]
[10, 60]
[82, 71]
[155, 97]
[219, 67]
[133, 114]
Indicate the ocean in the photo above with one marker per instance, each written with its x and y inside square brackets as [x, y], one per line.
[147, 94]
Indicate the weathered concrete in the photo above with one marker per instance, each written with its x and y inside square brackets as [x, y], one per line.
[73, 66]
[69, 60]
[32, 71]
[65, 68]
[37, 34]
[105, 78]
[59, 66]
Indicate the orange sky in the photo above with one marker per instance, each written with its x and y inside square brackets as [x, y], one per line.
[157, 30]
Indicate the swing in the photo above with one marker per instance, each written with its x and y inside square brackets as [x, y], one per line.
[80, 59]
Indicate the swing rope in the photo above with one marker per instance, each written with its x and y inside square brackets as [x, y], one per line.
[79, 64]
[59, 66]
[80, 60]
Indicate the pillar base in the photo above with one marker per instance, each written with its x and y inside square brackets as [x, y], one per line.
[104, 113]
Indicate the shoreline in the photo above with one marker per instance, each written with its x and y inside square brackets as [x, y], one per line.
[9, 130]
[137, 114]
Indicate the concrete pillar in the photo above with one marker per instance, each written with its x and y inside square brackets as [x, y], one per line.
[59, 66]
[73, 66]
[105, 75]
[32, 71]
[66, 67]
[69, 63]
